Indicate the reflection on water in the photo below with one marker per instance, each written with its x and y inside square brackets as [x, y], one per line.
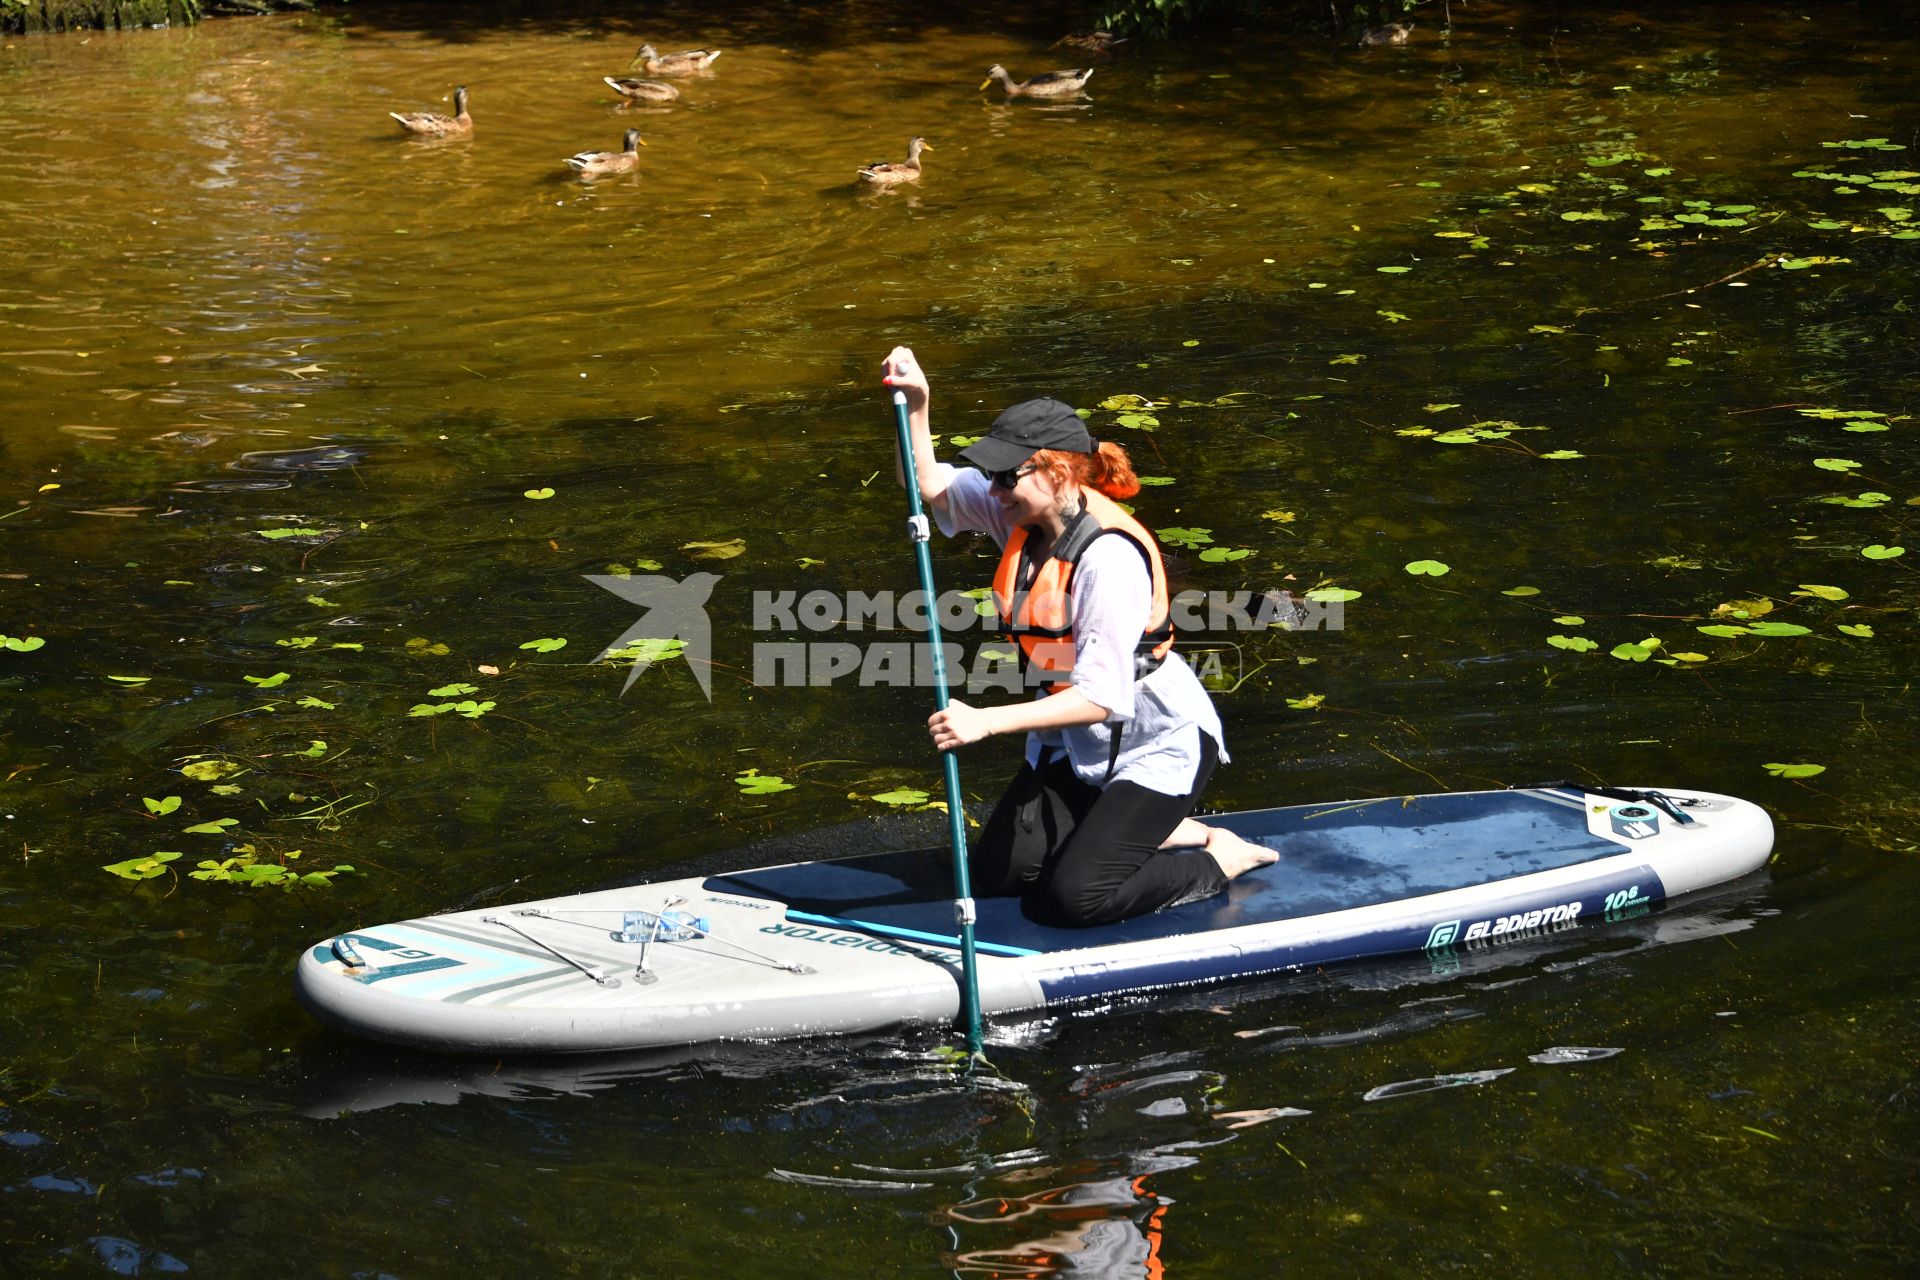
[1108, 1227]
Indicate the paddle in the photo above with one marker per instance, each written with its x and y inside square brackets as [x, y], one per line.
[919, 532]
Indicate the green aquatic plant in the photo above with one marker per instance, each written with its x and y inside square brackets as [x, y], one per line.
[538, 495]
[1795, 770]
[1636, 651]
[142, 868]
[755, 783]
[162, 807]
[208, 769]
[1429, 568]
[21, 644]
[466, 707]
[546, 644]
[245, 869]
[1879, 552]
[1180, 537]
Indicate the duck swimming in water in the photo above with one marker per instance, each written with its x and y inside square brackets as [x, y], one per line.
[691, 62]
[883, 174]
[604, 164]
[431, 124]
[1048, 84]
[641, 90]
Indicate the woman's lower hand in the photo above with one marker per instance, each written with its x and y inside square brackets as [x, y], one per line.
[958, 725]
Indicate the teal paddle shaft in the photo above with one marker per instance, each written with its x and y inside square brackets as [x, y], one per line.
[963, 911]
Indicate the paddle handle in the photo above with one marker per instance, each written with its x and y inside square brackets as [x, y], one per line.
[919, 532]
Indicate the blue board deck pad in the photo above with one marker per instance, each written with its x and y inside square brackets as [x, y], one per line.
[870, 942]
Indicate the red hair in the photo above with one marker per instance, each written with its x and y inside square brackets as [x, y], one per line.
[1109, 471]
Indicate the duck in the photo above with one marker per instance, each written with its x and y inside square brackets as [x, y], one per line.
[431, 124]
[641, 90]
[1089, 44]
[1392, 33]
[604, 164]
[892, 174]
[692, 62]
[1048, 84]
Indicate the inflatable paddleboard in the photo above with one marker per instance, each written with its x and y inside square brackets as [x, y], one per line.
[869, 943]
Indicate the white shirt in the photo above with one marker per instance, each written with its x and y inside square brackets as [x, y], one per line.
[1160, 718]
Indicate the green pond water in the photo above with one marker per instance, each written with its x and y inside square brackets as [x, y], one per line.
[1550, 297]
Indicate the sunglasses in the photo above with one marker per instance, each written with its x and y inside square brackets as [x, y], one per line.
[1009, 479]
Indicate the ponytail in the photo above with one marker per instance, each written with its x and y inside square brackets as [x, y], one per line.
[1107, 471]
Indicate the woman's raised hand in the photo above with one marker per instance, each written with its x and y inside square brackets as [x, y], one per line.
[901, 372]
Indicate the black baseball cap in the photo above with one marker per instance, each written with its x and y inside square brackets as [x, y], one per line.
[1023, 429]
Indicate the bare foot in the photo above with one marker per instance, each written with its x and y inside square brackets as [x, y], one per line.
[1236, 856]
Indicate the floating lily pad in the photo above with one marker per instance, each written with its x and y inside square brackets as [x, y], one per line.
[1879, 552]
[1633, 651]
[1794, 770]
[1430, 568]
[153, 864]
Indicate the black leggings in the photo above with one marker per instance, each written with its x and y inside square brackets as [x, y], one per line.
[1081, 855]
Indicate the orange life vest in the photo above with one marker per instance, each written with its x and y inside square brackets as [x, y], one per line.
[1031, 594]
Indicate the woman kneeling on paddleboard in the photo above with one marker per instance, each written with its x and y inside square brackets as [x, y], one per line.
[1121, 736]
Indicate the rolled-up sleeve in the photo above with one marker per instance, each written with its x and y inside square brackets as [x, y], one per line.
[969, 506]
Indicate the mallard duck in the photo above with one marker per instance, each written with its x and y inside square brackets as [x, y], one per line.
[642, 90]
[1089, 44]
[1392, 33]
[893, 173]
[604, 164]
[1048, 84]
[692, 62]
[431, 124]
